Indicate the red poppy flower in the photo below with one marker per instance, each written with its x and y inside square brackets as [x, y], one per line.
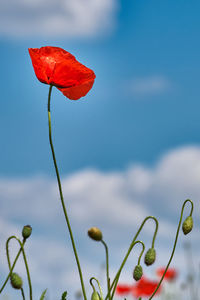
[123, 289]
[170, 275]
[145, 287]
[55, 66]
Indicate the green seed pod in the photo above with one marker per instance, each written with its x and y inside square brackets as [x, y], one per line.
[138, 272]
[16, 281]
[95, 296]
[187, 225]
[150, 256]
[95, 234]
[26, 232]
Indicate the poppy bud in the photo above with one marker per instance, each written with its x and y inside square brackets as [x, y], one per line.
[95, 234]
[26, 232]
[95, 296]
[187, 225]
[150, 256]
[16, 281]
[138, 272]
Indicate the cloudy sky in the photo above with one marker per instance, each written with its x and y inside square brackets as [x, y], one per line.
[129, 149]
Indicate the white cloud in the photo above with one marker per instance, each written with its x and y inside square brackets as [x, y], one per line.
[57, 18]
[117, 202]
[146, 86]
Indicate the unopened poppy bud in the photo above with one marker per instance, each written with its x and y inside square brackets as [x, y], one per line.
[95, 234]
[95, 296]
[26, 232]
[138, 272]
[16, 281]
[187, 225]
[150, 256]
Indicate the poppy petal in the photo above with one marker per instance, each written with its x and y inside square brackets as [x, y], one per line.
[76, 92]
[55, 66]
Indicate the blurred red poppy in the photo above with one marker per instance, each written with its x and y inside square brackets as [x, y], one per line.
[170, 275]
[145, 287]
[123, 289]
[55, 66]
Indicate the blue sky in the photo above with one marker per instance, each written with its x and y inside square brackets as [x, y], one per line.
[113, 125]
[134, 137]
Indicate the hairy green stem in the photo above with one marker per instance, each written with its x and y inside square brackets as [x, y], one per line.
[175, 242]
[7, 252]
[9, 263]
[143, 248]
[107, 268]
[23, 296]
[115, 281]
[117, 278]
[11, 269]
[62, 198]
[100, 290]
[25, 262]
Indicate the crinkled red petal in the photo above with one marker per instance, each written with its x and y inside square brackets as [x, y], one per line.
[55, 66]
[76, 92]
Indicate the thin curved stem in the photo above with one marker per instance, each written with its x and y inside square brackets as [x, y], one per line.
[100, 290]
[143, 248]
[175, 242]
[7, 253]
[107, 268]
[23, 295]
[62, 198]
[9, 263]
[155, 232]
[25, 262]
[11, 269]
[115, 281]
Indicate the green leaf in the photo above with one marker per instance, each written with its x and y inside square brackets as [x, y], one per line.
[43, 295]
[64, 296]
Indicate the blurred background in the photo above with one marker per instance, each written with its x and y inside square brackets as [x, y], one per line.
[129, 149]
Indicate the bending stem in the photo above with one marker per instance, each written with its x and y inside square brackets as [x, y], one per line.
[175, 242]
[61, 196]
[107, 268]
[11, 269]
[115, 281]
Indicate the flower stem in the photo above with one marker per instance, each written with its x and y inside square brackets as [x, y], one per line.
[141, 253]
[11, 269]
[99, 286]
[23, 296]
[25, 261]
[175, 242]
[61, 196]
[107, 268]
[115, 281]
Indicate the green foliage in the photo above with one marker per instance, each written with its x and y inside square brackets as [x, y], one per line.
[64, 296]
[43, 295]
